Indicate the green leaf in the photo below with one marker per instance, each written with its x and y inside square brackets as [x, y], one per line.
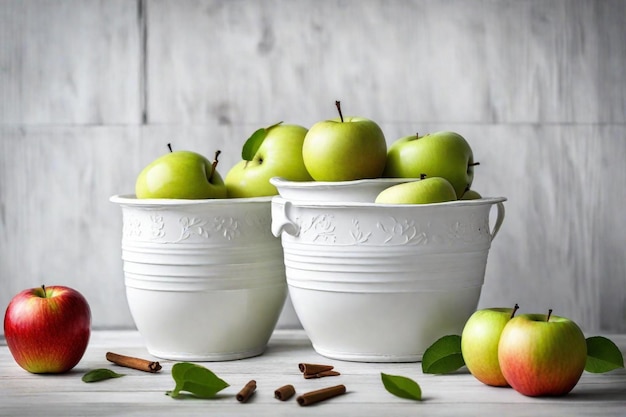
[402, 387]
[195, 379]
[443, 356]
[602, 355]
[254, 142]
[100, 375]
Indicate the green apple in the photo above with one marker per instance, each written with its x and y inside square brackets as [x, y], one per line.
[279, 155]
[479, 344]
[423, 191]
[542, 355]
[471, 195]
[439, 154]
[181, 174]
[344, 149]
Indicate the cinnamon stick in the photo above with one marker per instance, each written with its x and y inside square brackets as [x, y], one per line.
[321, 374]
[247, 391]
[312, 368]
[285, 392]
[321, 395]
[133, 363]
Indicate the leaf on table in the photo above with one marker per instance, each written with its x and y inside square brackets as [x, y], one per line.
[196, 380]
[254, 142]
[100, 375]
[602, 355]
[443, 356]
[402, 387]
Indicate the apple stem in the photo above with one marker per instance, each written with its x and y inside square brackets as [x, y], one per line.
[214, 165]
[169, 146]
[338, 104]
[549, 314]
[514, 310]
[43, 287]
[422, 176]
[473, 164]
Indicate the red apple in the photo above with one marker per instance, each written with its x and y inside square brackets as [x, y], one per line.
[47, 329]
[542, 355]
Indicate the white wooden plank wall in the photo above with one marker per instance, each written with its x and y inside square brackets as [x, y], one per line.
[91, 91]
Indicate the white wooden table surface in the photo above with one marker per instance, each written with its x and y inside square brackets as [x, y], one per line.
[143, 394]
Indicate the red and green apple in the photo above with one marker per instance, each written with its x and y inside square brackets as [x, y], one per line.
[47, 329]
[542, 355]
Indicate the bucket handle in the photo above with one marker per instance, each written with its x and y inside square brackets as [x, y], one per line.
[281, 221]
[499, 219]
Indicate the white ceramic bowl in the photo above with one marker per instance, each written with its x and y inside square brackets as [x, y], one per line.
[204, 279]
[364, 190]
[380, 283]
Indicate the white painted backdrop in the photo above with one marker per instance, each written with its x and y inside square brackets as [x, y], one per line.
[91, 91]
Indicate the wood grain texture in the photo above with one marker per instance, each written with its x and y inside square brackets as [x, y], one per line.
[58, 227]
[427, 61]
[69, 62]
[538, 89]
[143, 394]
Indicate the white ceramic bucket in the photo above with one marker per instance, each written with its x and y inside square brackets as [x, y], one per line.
[204, 279]
[381, 283]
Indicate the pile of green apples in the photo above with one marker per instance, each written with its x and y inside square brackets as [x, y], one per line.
[340, 149]
[536, 354]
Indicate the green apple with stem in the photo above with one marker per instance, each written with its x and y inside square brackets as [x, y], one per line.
[181, 175]
[479, 344]
[344, 149]
[542, 355]
[440, 154]
[422, 191]
[275, 151]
